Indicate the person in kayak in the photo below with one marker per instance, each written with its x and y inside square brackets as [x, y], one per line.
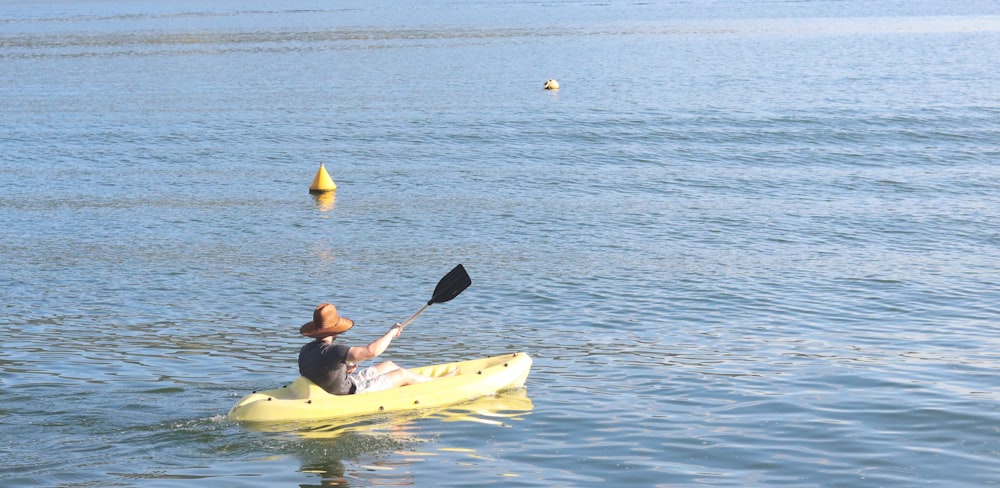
[334, 367]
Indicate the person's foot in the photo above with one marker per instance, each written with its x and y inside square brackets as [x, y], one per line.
[453, 372]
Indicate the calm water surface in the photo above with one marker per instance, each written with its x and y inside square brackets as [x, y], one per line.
[747, 243]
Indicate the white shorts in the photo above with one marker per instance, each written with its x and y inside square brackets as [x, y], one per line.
[369, 379]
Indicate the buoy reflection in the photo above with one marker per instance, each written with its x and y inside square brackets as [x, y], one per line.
[325, 201]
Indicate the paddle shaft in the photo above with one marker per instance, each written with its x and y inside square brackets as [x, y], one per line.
[404, 324]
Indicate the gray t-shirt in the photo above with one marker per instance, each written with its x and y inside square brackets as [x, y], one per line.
[326, 365]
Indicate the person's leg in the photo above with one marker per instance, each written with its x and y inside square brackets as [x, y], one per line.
[388, 375]
[402, 377]
[386, 367]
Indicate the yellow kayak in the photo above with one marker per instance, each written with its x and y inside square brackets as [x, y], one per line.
[499, 409]
[304, 400]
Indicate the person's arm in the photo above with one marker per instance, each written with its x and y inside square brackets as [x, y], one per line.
[361, 353]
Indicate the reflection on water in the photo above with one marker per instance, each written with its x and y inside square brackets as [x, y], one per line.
[330, 471]
[325, 201]
[384, 446]
[495, 410]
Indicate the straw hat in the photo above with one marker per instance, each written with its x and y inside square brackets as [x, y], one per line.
[326, 321]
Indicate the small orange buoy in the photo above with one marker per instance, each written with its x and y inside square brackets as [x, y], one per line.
[322, 182]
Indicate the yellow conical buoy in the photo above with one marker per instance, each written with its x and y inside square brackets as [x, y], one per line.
[322, 182]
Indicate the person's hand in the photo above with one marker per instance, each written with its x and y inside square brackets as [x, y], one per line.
[396, 329]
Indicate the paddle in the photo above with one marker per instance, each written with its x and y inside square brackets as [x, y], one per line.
[453, 283]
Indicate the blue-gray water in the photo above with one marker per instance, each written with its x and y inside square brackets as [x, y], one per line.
[747, 243]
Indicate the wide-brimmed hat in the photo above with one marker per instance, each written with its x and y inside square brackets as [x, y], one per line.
[326, 321]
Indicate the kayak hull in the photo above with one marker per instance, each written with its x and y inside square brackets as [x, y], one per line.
[304, 400]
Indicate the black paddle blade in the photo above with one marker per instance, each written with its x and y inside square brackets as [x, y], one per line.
[453, 283]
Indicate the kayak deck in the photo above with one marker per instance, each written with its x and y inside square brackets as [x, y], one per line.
[304, 400]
